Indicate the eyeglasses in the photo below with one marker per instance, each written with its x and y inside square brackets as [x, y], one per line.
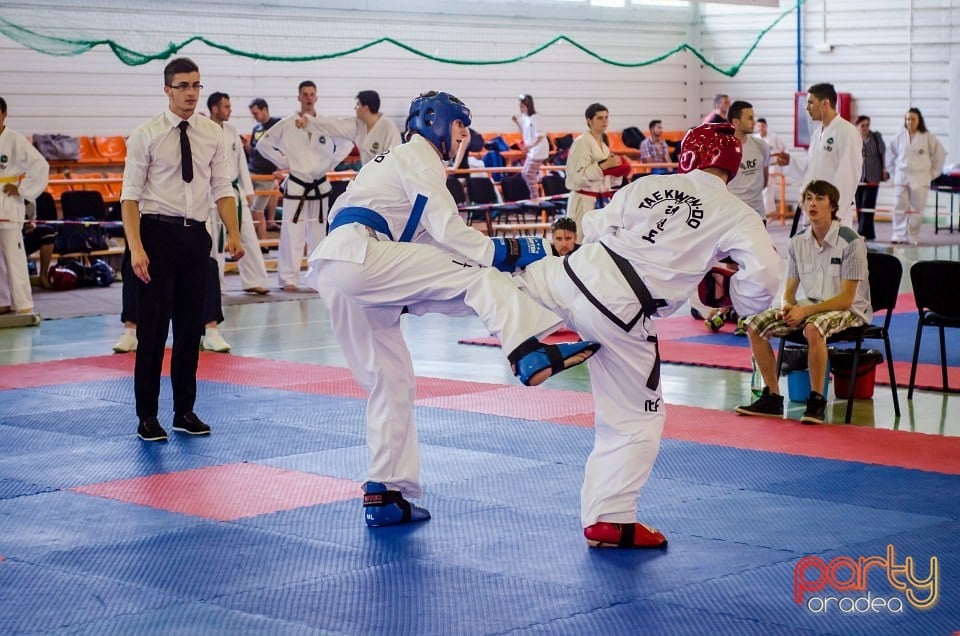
[196, 86]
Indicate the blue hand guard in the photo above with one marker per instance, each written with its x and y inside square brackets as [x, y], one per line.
[510, 254]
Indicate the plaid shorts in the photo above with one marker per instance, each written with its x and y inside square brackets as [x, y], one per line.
[769, 324]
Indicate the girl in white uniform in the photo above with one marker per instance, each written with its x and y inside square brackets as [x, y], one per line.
[397, 245]
[17, 157]
[914, 158]
[589, 167]
[534, 143]
[644, 255]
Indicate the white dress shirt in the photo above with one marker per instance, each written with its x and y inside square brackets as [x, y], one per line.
[152, 175]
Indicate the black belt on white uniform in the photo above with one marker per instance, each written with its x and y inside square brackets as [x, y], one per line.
[311, 192]
[648, 304]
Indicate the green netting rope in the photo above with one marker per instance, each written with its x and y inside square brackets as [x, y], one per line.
[52, 45]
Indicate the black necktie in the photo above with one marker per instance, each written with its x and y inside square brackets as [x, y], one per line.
[186, 157]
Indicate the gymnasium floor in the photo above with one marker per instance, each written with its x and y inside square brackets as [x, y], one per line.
[258, 528]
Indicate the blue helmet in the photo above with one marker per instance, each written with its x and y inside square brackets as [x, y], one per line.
[101, 274]
[432, 114]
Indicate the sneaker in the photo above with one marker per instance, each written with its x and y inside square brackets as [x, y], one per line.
[213, 341]
[741, 329]
[382, 507]
[127, 342]
[189, 423]
[623, 535]
[767, 404]
[150, 430]
[816, 409]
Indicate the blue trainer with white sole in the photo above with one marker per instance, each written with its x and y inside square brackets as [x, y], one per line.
[383, 507]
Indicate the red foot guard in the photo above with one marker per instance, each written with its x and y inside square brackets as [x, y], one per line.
[623, 535]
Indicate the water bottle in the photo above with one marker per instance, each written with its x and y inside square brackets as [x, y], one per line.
[756, 379]
[714, 323]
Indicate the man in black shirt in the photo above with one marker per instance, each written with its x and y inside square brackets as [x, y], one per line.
[264, 206]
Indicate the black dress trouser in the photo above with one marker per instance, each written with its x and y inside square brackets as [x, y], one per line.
[213, 307]
[178, 268]
[866, 203]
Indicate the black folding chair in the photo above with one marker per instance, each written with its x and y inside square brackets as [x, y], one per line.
[938, 305]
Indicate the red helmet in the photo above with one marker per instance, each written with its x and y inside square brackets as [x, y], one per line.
[62, 278]
[711, 146]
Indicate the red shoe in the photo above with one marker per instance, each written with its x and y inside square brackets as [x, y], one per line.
[623, 535]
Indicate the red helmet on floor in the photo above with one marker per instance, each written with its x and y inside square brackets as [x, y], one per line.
[62, 278]
[711, 146]
[714, 289]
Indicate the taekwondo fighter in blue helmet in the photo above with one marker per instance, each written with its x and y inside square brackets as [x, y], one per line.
[396, 245]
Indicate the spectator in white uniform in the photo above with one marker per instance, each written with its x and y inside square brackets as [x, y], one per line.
[397, 245]
[369, 130]
[778, 157]
[836, 150]
[308, 157]
[535, 143]
[643, 256]
[592, 170]
[914, 159]
[18, 158]
[253, 271]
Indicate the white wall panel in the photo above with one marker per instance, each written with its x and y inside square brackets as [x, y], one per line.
[886, 57]
[886, 64]
[96, 94]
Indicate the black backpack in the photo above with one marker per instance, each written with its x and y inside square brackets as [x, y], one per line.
[83, 235]
[632, 137]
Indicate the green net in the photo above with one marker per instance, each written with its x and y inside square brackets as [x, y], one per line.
[65, 31]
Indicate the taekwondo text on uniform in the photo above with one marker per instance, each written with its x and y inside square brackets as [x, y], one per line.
[671, 201]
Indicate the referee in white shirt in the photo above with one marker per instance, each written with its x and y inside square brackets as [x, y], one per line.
[175, 162]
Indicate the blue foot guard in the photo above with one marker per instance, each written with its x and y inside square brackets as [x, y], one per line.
[384, 507]
[532, 357]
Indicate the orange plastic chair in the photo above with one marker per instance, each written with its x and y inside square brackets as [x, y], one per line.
[618, 147]
[102, 188]
[115, 188]
[88, 152]
[674, 136]
[111, 148]
[56, 189]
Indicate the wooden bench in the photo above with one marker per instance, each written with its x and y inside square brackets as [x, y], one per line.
[521, 229]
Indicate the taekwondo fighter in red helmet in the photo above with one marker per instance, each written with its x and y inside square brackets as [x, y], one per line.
[643, 256]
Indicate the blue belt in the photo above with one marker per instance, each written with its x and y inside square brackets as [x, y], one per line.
[376, 222]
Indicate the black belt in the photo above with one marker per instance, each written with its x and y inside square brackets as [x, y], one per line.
[311, 192]
[648, 305]
[172, 220]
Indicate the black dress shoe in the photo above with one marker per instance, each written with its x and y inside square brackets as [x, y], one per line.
[150, 430]
[189, 423]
